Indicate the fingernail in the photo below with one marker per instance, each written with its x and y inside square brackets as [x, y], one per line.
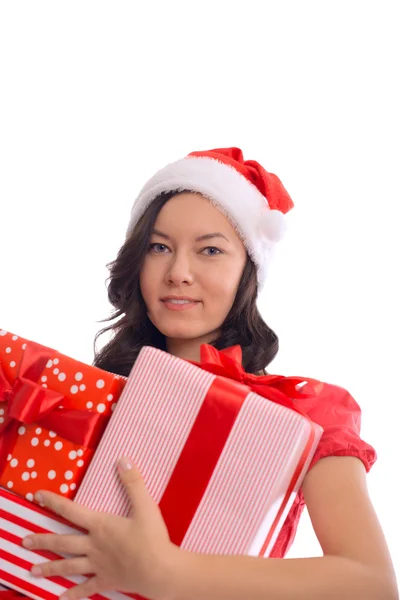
[36, 571]
[27, 542]
[125, 464]
[39, 498]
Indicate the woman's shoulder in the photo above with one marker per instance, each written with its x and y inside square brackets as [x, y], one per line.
[339, 414]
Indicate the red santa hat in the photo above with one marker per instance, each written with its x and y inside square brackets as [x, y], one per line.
[253, 200]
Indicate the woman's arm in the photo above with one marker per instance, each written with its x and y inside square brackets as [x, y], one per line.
[356, 564]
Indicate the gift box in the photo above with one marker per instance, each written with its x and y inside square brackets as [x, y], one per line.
[222, 452]
[18, 518]
[53, 411]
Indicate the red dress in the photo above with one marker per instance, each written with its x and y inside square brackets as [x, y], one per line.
[340, 416]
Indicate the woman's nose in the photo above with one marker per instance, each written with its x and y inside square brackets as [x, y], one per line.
[179, 269]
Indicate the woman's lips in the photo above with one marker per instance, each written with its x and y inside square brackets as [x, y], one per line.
[175, 306]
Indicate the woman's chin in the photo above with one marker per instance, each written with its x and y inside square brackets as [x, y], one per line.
[178, 333]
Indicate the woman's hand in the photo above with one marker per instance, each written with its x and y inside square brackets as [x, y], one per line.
[130, 554]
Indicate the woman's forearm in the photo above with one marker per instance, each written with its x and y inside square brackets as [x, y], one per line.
[210, 577]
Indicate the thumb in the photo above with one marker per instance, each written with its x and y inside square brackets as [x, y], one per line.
[133, 482]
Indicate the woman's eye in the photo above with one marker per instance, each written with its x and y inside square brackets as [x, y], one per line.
[158, 248]
[213, 251]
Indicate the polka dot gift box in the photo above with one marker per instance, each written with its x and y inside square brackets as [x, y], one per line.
[53, 411]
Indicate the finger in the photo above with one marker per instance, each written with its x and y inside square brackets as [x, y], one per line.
[66, 508]
[134, 483]
[73, 566]
[84, 590]
[70, 544]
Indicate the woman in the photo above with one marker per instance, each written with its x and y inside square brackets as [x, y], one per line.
[198, 245]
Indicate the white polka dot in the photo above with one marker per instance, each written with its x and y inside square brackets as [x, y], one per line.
[80, 463]
[12, 363]
[2, 419]
[21, 430]
[101, 408]
[110, 397]
[52, 434]
[49, 364]
[1, 411]
[58, 445]
[60, 406]
[56, 371]
[46, 442]
[100, 383]
[82, 387]
[29, 496]
[113, 406]
[23, 346]
[33, 474]
[74, 389]
[72, 455]
[72, 486]
[3, 332]
[68, 474]
[14, 337]
[64, 488]
[9, 457]
[62, 377]
[56, 361]
[78, 376]
[10, 484]
[51, 474]
[89, 404]
[30, 463]
[80, 452]
[44, 378]
[14, 462]
[8, 350]
[34, 441]
[25, 476]
[38, 430]
[44, 385]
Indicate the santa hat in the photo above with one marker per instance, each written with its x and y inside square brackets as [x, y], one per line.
[253, 200]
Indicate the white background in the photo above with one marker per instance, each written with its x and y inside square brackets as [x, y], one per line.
[95, 96]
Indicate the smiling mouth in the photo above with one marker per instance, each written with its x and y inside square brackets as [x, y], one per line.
[179, 305]
[171, 301]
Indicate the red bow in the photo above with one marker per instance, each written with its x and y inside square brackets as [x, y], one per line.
[277, 388]
[28, 402]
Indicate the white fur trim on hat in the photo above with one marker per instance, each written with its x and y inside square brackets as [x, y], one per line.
[232, 193]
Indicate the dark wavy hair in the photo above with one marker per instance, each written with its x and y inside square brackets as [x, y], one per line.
[243, 325]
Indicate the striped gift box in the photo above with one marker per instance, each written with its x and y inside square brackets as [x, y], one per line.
[224, 464]
[18, 518]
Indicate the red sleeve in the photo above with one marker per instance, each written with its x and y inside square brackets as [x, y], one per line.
[340, 416]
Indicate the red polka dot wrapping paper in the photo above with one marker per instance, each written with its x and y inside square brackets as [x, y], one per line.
[41, 458]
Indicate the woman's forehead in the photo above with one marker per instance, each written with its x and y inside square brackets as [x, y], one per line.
[189, 209]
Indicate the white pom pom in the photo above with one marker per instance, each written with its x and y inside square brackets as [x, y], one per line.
[274, 225]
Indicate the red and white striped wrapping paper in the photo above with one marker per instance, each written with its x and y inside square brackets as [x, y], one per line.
[18, 518]
[246, 498]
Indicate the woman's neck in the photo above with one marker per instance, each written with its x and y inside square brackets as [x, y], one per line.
[186, 349]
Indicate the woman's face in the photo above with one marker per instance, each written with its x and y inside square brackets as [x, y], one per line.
[192, 269]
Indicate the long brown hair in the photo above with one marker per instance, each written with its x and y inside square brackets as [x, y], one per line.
[243, 325]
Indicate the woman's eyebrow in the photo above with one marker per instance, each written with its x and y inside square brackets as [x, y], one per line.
[206, 236]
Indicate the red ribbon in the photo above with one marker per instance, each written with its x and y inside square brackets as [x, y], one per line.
[277, 388]
[29, 402]
[211, 430]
